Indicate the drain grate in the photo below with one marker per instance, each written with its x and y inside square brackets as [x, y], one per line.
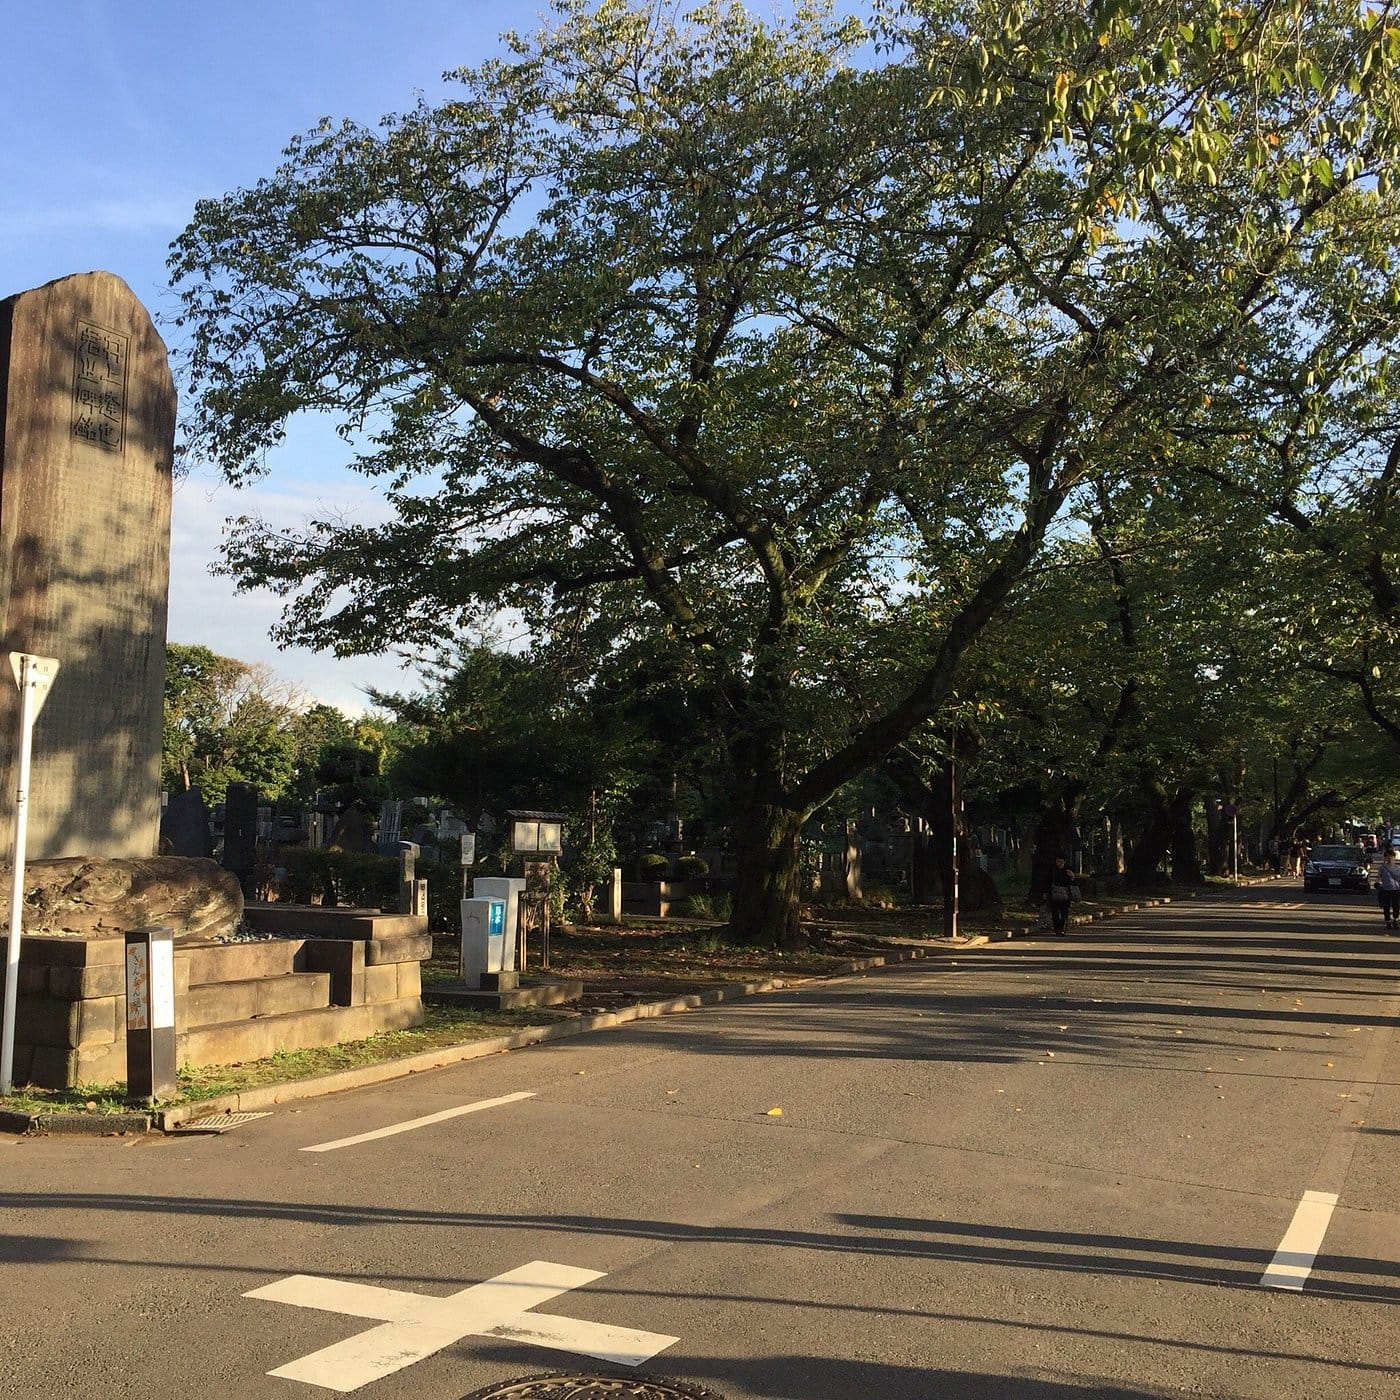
[218, 1122]
[591, 1388]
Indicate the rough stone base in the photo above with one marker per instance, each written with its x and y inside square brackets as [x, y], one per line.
[84, 897]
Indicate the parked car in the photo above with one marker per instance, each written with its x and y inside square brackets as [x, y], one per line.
[1336, 868]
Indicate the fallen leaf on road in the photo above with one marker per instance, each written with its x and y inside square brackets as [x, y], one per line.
[1329, 1065]
[774, 1113]
[1049, 1054]
[1061, 1028]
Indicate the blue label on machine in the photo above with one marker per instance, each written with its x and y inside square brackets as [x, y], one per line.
[496, 921]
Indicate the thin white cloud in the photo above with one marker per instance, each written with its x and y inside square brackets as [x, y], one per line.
[207, 609]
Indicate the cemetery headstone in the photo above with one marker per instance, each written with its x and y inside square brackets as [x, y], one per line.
[87, 427]
[184, 825]
[240, 830]
[352, 833]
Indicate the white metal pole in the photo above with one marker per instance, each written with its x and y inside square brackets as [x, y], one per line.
[1235, 842]
[26, 730]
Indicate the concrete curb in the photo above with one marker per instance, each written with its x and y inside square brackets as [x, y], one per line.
[85, 1124]
[364, 1076]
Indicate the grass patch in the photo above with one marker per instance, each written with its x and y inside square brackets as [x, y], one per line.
[82, 1098]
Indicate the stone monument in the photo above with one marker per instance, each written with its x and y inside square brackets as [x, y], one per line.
[87, 425]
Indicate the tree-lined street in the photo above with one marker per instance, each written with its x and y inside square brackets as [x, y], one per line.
[1038, 1169]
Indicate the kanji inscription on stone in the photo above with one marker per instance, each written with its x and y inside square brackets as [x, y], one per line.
[99, 386]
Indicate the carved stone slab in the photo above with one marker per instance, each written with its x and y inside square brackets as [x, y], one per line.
[87, 424]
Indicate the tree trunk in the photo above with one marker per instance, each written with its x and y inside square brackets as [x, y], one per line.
[767, 893]
[1154, 841]
[1186, 864]
[1115, 862]
[1055, 829]
[851, 866]
[1217, 834]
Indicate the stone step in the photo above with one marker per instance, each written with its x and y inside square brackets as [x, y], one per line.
[240, 962]
[213, 1003]
[232, 1042]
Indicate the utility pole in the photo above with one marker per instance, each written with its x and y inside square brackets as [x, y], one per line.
[950, 902]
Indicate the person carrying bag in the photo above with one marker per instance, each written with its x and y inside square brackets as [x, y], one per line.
[1388, 889]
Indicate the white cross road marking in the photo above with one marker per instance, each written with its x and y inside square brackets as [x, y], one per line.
[416, 1326]
[413, 1123]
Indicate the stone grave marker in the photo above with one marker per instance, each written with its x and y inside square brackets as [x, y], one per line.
[240, 830]
[184, 825]
[87, 426]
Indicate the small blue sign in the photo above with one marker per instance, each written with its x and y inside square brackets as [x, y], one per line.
[496, 922]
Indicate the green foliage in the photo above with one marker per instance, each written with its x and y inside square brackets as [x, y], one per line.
[653, 866]
[225, 721]
[347, 772]
[691, 867]
[591, 863]
[736, 354]
[361, 880]
[710, 906]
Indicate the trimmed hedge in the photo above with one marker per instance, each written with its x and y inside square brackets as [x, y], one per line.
[363, 881]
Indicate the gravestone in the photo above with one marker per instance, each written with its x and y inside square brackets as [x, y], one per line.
[184, 825]
[352, 833]
[240, 853]
[87, 425]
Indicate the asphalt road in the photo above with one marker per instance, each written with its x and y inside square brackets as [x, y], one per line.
[1050, 1168]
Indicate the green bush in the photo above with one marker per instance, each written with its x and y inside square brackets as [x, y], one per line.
[352, 879]
[653, 866]
[692, 868]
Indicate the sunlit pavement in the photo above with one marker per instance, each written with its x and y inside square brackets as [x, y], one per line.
[1045, 1168]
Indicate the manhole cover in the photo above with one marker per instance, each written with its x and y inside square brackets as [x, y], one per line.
[217, 1122]
[591, 1388]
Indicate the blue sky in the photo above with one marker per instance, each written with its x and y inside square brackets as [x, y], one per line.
[116, 115]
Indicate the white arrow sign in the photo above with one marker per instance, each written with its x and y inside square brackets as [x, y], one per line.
[416, 1326]
[36, 672]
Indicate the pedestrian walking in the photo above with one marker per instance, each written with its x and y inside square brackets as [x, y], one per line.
[1388, 889]
[1062, 892]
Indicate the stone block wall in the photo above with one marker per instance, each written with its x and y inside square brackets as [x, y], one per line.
[233, 1002]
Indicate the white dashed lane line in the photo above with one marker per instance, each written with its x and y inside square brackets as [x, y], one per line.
[413, 1123]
